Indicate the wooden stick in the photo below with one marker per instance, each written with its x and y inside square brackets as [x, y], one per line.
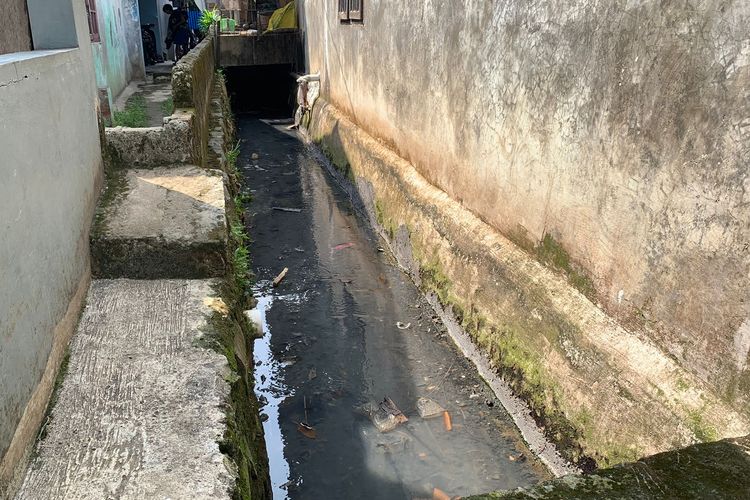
[280, 277]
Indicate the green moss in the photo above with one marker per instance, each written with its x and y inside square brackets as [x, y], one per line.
[61, 374]
[134, 114]
[338, 159]
[551, 253]
[115, 187]
[682, 384]
[710, 470]
[702, 429]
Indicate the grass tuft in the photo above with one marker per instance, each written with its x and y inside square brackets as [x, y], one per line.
[134, 115]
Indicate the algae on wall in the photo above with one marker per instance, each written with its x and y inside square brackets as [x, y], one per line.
[580, 371]
[708, 470]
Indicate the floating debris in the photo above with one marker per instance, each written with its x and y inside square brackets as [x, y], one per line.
[438, 494]
[429, 408]
[342, 246]
[385, 415]
[402, 326]
[312, 373]
[307, 430]
[447, 423]
[278, 279]
[286, 209]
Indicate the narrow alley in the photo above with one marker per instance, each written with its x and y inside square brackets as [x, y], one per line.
[374, 249]
[347, 328]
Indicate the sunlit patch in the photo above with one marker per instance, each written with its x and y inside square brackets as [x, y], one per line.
[194, 187]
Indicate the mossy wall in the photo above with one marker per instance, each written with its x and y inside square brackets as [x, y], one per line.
[708, 470]
[192, 89]
[601, 393]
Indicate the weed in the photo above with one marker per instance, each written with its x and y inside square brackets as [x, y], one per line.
[208, 19]
[232, 156]
[134, 115]
[167, 107]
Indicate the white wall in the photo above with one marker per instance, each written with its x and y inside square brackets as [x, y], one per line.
[50, 168]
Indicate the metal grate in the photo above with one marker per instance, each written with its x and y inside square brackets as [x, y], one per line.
[93, 20]
[344, 10]
[355, 10]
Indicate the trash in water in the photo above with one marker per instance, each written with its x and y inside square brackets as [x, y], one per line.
[381, 249]
[438, 494]
[385, 415]
[429, 408]
[289, 361]
[286, 209]
[312, 373]
[255, 156]
[517, 458]
[447, 421]
[217, 304]
[342, 246]
[307, 430]
[402, 326]
[254, 317]
[278, 279]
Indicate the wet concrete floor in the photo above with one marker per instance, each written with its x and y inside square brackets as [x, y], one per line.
[333, 344]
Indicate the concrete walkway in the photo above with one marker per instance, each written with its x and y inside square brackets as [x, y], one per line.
[139, 414]
[141, 410]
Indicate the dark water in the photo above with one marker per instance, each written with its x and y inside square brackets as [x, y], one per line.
[332, 344]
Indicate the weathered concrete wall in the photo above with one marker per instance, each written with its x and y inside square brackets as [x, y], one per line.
[51, 169]
[15, 36]
[192, 88]
[271, 48]
[617, 130]
[121, 56]
[599, 390]
[152, 146]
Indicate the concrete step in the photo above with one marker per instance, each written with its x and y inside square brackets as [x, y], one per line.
[166, 222]
[139, 413]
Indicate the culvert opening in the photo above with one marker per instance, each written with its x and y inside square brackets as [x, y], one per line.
[265, 91]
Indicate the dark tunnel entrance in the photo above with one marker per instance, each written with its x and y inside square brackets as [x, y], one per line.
[265, 91]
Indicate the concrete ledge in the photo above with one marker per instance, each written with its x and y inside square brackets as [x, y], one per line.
[151, 146]
[271, 48]
[161, 223]
[139, 413]
[599, 390]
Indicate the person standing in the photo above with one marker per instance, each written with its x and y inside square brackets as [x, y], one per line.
[178, 31]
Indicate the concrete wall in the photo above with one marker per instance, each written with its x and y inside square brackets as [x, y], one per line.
[618, 130]
[51, 170]
[192, 88]
[15, 36]
[121, 55]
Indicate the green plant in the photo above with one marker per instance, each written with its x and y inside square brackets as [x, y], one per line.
[167, 107]
[232, 156]
[134, 115]
[208, 18]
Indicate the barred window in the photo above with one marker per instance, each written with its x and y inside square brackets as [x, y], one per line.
[93, 20]
[350, 10]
